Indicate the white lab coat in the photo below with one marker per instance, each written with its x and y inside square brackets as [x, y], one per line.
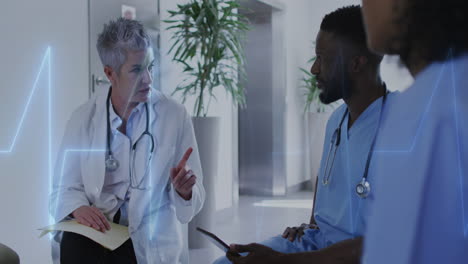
[155, 215]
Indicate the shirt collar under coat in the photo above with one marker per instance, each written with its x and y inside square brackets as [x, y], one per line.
[100, 113]
[116, 121]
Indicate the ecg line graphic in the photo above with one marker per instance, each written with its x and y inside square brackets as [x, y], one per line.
[64, 160]
[46, 58]
[425, 114]
[458, 136]
[47, 65]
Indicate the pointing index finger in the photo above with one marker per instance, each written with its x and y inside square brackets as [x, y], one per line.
[185, 158]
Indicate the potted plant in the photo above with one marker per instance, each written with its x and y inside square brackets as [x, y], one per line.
[311, 91]
[207, 42]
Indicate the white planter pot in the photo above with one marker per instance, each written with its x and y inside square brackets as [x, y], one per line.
[317, 123]
[8, 255]
[207, 134]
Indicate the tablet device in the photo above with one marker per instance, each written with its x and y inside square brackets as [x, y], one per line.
[214, 239]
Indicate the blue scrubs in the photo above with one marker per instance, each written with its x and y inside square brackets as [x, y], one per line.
[339, 211]
[419, 212]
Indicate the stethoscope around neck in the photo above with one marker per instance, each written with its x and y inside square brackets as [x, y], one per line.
[112, 164]
[363, 188]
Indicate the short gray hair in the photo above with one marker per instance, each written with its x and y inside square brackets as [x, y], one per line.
[117, 38]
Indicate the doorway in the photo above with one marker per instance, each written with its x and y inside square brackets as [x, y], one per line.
[261, 124]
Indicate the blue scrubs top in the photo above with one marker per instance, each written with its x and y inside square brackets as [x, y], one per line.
[339, 211]
[419, 210]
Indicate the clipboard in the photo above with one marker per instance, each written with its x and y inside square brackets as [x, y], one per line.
[216, 241]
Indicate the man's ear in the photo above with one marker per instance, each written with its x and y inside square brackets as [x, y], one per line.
[110, 74]
[358, 63]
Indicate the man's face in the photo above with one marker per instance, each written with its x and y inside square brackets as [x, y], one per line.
[330, 68]
[384, 30]
[135, 77]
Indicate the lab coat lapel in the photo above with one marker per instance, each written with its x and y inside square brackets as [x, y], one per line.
[140, 198]
[153, 115]
[152, 104]
[93, 166]
[160, 155]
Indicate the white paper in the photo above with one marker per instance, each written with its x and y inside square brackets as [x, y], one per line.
[111, 239]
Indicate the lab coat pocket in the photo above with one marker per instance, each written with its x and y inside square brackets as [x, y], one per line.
[159, 238]
[169, 236]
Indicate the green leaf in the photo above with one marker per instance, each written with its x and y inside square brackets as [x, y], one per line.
[209, 35]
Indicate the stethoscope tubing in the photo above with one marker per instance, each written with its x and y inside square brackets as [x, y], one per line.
[110, 154]
[363, 187]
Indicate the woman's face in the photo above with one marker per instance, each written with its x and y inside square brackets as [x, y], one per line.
[383, 25]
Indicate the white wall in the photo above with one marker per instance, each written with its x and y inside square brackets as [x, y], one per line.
[28, 28]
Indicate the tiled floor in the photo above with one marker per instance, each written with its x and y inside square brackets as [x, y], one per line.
[257, 219]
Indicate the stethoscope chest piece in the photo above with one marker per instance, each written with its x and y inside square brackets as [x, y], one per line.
[111, 164]
[363, 188]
